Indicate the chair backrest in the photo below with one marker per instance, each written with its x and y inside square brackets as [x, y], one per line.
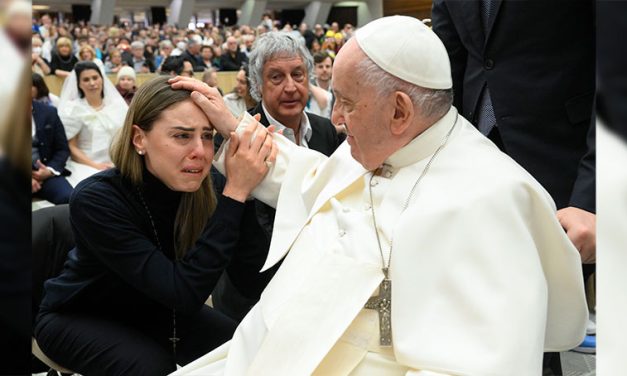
[52, 239]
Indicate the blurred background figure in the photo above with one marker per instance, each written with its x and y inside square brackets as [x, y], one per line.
[126, 84]
[39, 64]
[92, 111]
[210, 77]
[15, 254]
[63, 60]
[41, 93]
[240, 100]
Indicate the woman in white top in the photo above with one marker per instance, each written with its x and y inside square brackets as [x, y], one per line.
[92, 111]
[240, 100]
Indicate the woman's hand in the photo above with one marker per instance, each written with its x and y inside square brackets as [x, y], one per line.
[210, 102]
[248, 160]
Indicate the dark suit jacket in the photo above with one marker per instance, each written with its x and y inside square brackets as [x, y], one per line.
[538, 60]
[257, 225]
[196, 62]
[52, 142]
[230, 63]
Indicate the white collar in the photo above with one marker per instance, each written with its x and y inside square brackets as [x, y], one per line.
[305, 127]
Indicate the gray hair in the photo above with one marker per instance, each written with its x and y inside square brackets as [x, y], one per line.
[166, 43]
[271, 45]
[137, 44]
[430, 102]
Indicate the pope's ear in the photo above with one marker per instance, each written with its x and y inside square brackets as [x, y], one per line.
[139, 136]
[403, 113]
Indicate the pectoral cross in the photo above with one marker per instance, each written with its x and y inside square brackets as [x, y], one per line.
[383, 304]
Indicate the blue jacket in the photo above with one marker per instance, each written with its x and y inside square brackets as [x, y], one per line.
[52, 142]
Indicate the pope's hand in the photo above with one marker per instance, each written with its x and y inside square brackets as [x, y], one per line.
[249, 157]
[580, 226]
[210, 102]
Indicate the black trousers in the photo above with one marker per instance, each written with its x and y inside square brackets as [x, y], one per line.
[135, 344]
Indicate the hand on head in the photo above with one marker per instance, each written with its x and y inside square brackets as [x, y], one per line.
[210, 101]
[249, 157]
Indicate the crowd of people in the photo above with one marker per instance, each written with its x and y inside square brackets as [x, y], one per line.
[342, 161]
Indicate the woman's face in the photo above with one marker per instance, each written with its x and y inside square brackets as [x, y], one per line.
[64, 50]
[126, 82]
[116, 59]
[90, 82]
[179, 147]
[86, 55]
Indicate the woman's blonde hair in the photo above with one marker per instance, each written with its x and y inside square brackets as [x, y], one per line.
[149, 102]
[87, 48]
[64, 41]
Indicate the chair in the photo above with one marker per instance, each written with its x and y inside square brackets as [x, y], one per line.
[52, 239]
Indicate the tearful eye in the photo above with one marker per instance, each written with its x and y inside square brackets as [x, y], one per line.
[181, 136]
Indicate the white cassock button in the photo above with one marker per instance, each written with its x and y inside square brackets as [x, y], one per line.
[374, 182]
[342, 233]
[387, 173]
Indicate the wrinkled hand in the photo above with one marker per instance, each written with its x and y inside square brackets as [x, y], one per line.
[42, 173]
[580, 226]
[248, 160]
[35, 185]
[210, 102]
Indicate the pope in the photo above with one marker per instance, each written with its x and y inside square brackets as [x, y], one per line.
[417, 248]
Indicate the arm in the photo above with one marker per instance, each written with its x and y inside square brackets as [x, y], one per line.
[321, 96]
[105, 225]
[60, 148]
[43, 65]
[579, 218]
[79, 156]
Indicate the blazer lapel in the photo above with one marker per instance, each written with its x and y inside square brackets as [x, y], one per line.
[470, 13]
[496, 6]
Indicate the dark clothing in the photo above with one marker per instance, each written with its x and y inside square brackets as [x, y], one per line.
[127, 94]
[63, 63]
[50, 146]
[196, 61]
[122, 269]
[231, 63]
[541, 80]
[15, 270]
[241, 286]
[130, 343]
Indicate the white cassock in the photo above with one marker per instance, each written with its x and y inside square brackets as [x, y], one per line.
[484, 279]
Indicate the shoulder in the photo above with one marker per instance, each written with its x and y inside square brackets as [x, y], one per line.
[104, 188]
[320, 123]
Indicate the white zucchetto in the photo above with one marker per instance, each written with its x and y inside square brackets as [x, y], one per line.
[406, 48]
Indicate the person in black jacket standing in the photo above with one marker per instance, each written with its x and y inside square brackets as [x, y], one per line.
[279, 79]
[524, 74]
[151, 242]
[232, 59]
[50, 151]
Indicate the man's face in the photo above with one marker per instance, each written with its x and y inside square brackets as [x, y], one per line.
[323, 70]
[285, 87]
[366, 117]
[231, 44]
[138, 52]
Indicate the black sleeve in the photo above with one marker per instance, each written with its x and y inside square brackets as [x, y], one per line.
[60, 148]
[444, 28]
[105, 226]
[227, 64]
[54, 64]
[583, 195]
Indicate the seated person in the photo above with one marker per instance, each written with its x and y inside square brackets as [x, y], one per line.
[126, 84]
[177, 66]
[92, 111]
[63, 60]
[152, 239]
[50, 151]
[417, 248]
[240, 100]
[41, 93]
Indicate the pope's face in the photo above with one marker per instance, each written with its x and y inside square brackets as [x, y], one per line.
[358, 107]
[179, 147]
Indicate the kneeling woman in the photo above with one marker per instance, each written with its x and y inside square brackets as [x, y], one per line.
[152, 239]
